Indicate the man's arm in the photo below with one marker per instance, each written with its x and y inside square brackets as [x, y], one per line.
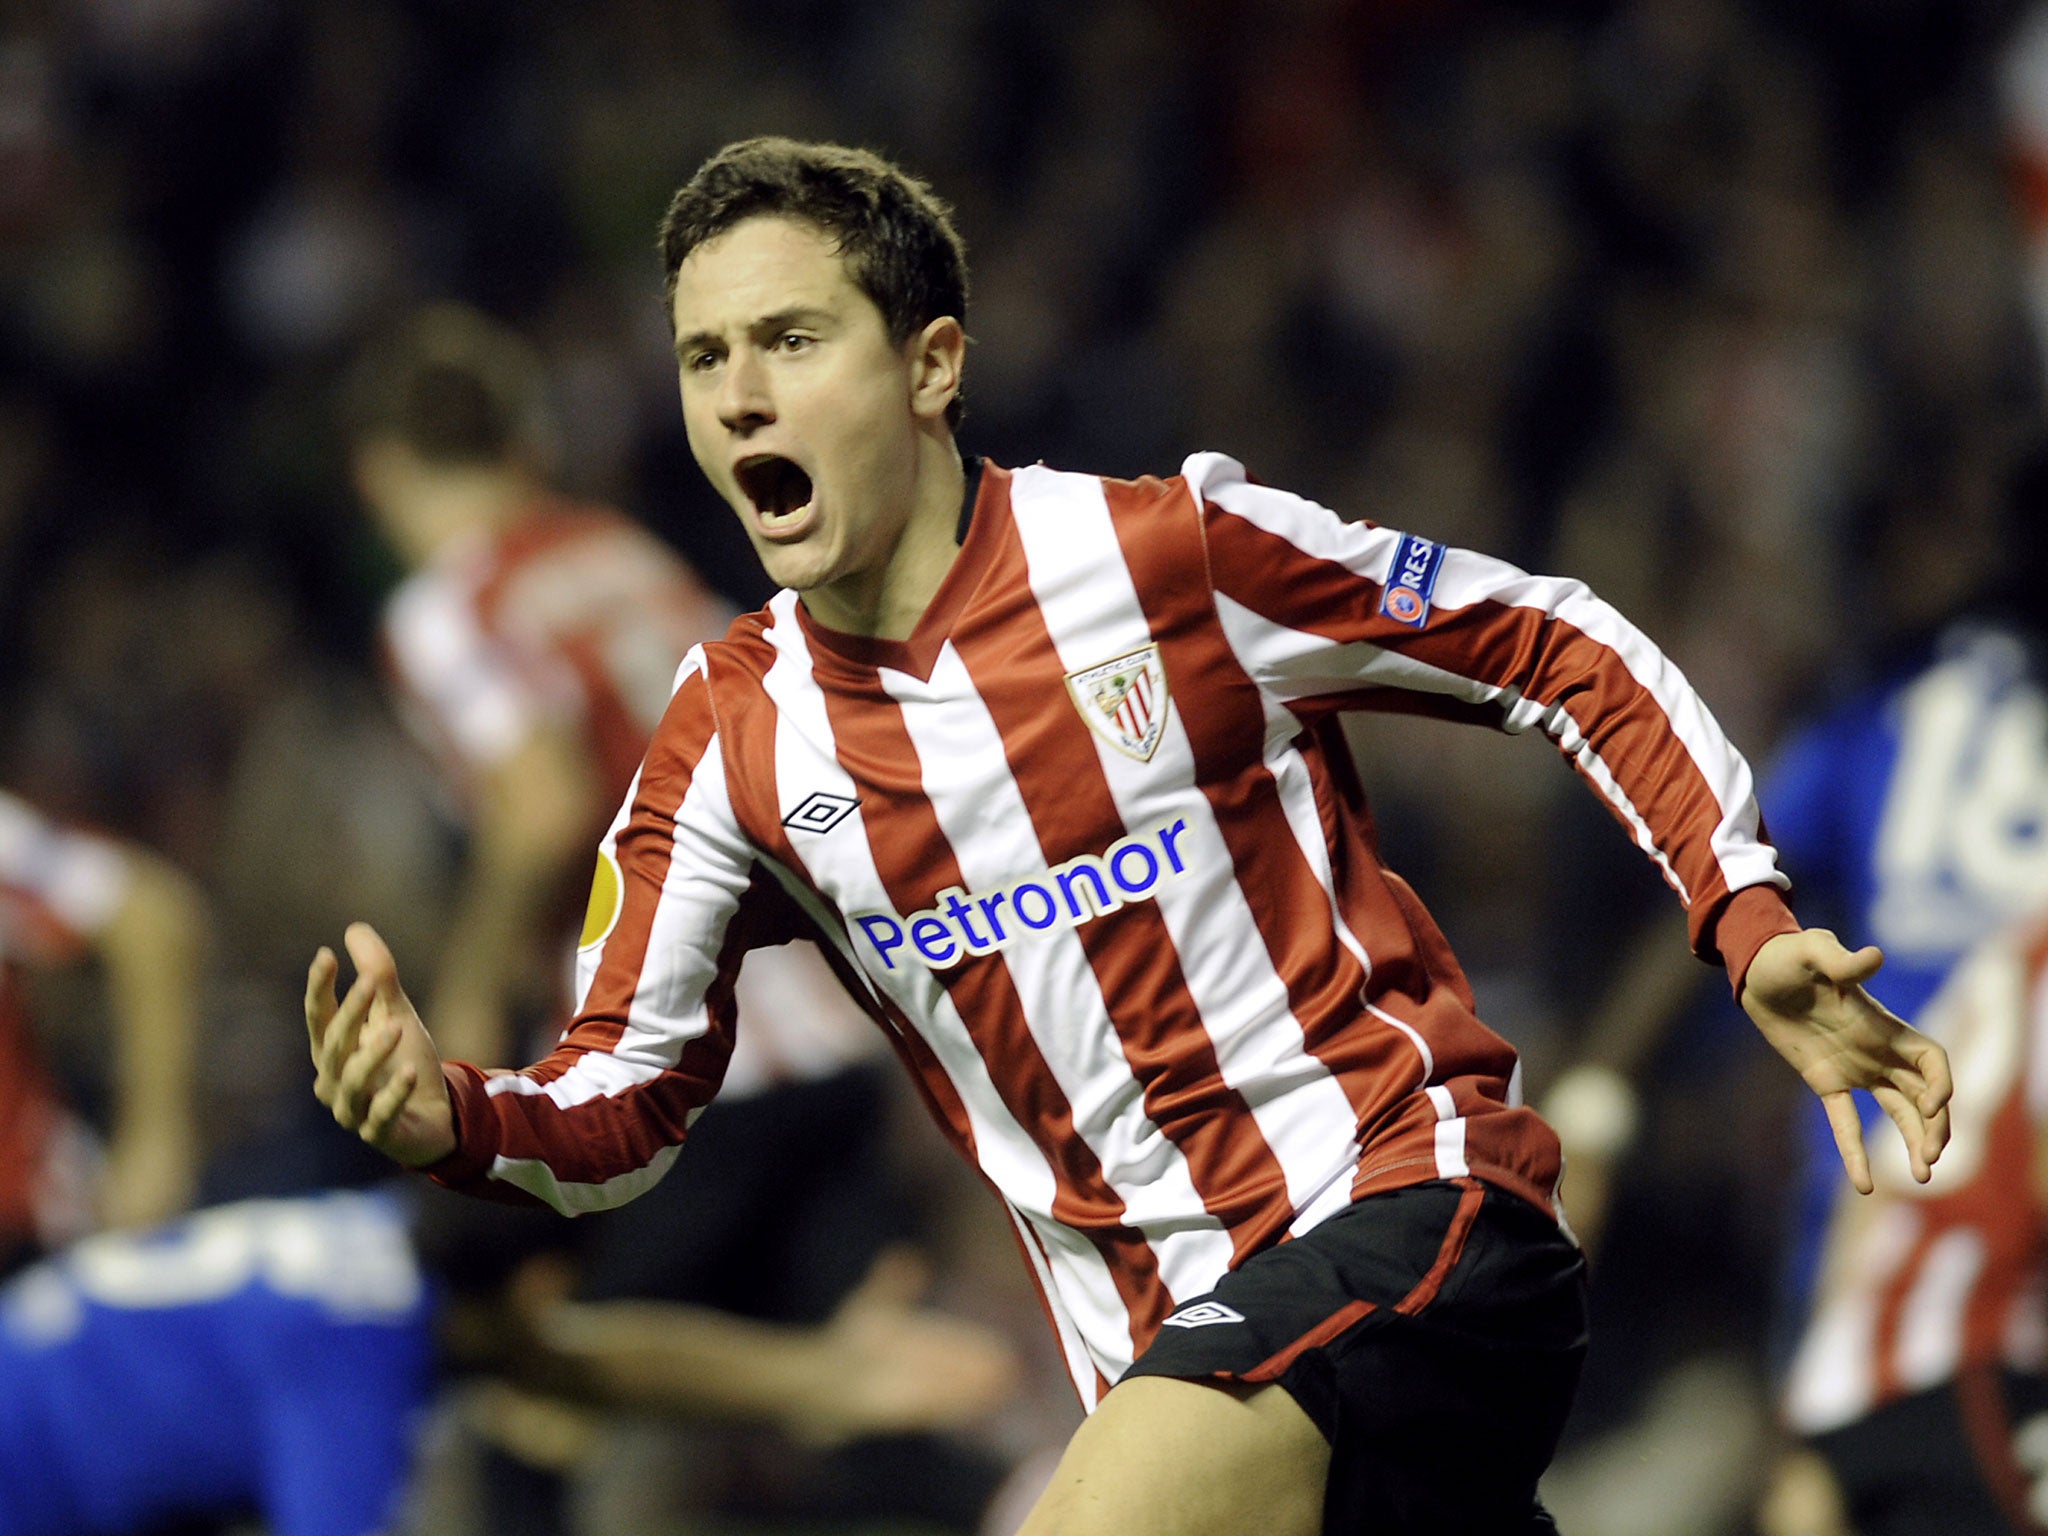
[535, 811]
[882, 1364]
[602, 1117]
[153, 950]
[1327, 615]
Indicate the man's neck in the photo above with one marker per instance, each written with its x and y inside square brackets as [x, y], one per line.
[890, 608]
[456, 505]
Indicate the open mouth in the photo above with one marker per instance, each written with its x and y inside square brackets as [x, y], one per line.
[779, 488]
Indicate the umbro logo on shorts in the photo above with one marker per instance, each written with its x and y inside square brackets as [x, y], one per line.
[820, 812]
[1204, 1314]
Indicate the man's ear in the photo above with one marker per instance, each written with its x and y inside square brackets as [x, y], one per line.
[938, 355]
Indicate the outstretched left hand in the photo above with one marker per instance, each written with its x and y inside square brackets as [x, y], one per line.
[1805, 992]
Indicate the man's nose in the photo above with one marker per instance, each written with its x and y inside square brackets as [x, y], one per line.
[744, 399]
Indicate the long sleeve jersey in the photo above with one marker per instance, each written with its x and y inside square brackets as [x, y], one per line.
[1090, 849]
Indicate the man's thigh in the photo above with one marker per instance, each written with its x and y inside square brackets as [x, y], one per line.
[1161, 1457]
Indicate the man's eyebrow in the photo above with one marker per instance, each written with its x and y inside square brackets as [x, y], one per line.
[766, 325]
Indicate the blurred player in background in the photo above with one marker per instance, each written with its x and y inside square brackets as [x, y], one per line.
[65, 896]
[533, 645]
[1050, 761]
[278, 1357]
[1915, 814]
[1920, 1384]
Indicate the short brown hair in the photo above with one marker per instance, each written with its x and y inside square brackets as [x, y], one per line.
[451, 384]
[895, 234]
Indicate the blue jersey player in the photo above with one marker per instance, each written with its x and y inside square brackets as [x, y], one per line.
[274, 1357]
[269, 1357]
[1919, 809]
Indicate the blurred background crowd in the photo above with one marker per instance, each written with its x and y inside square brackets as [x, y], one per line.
[1731, 307]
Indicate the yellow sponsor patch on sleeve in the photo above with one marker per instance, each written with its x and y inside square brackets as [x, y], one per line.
[602, 915]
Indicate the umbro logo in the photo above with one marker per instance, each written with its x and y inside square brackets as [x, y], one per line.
[820, 812]
[1204, 1314]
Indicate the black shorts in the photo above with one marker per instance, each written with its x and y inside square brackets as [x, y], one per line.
[1960, 1459]
[1434, 1334]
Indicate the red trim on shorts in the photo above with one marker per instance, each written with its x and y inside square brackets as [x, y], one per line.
[1273, 1368]
[1425, 1291]
[1447, 1256]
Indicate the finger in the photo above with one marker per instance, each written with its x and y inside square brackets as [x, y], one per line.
[372, 957]
[363, 1074]
[320, 999]
[338, 1042]
[389, 1103]
[1931, 1062]
[1905, 1114]
[1848, 968]
[1935, 1137]
[1848, 1128]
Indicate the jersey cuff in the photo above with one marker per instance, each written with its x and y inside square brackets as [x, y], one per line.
[476, 1127]
[1754, 915]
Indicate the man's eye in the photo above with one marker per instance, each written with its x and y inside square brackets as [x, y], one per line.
[698, 362]
[793, 341]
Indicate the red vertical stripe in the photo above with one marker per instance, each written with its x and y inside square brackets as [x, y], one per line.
[1052, 755]
[915, 861]
[1225, 732]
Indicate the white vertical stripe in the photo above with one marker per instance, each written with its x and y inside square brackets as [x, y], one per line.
[1092, 612]
[1450, 1134]
[1450, 1149]
[1931, 1319]
[982, 813]
[841, 864]
[1833, 1377]
[1073, 1348]
[1291, 780]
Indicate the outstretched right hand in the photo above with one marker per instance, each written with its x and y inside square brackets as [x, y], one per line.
[376, 1066]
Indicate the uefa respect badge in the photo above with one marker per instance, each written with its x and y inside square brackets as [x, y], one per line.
[1412, 580]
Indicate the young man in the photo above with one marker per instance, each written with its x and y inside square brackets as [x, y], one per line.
[1051, 763]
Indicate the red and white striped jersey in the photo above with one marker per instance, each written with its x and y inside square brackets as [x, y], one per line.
[1089, 847]
[1927, 1280]
[576, 617]
[572, 615]
[58, 890]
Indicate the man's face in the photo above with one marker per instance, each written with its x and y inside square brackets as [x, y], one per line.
[799, 408]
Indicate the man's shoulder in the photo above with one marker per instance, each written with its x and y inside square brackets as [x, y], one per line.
[1198, 474]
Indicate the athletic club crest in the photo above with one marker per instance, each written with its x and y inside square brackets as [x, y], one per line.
[1124, 701]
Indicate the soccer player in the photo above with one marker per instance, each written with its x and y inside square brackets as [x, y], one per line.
[277, 1357]
[1051, 765]
[1920, 1384]
[64, 896]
